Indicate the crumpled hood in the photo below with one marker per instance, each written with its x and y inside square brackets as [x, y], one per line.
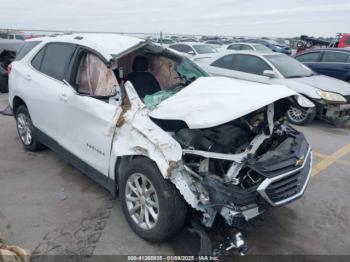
[212, 101]
[325, 83]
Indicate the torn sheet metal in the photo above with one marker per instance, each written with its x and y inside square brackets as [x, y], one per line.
[138, 135]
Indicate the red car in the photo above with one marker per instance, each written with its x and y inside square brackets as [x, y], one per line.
[344, 41]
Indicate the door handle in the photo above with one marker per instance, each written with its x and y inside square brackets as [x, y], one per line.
[28, 77]
[64, 97]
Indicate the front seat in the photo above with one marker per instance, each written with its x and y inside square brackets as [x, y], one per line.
[144, 82]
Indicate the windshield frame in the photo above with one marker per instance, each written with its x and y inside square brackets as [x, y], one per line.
[282, 72]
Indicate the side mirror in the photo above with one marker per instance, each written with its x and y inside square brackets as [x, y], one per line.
[269, 74]
[191, 52]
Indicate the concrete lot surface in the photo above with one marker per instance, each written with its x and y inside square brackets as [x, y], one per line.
[49, 207]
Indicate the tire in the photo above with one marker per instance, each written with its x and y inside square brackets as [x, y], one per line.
[3, 85]
[299, 117]
[171, 210]
[309, 44]
[26, 131]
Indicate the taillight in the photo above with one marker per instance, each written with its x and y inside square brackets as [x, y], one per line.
[9, 68]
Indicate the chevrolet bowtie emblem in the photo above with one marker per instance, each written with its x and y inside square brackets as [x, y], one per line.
[300, 162]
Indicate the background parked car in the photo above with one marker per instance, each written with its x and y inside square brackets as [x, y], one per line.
[11, 36]
[331, 96]
[273, 45]
[248, 47]
[214, 43]
[195, 51]
[334, 62]
[341, 40]
[8, 50]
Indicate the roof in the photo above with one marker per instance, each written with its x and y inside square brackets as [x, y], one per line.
[244, 52]
[108, 45]
[327, 49]
[189, 43]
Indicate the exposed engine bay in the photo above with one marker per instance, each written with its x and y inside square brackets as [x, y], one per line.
[241, 168]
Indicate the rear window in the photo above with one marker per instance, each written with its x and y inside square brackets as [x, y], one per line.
[36, 62]
[3, 35]
[56, 59]
[334, 57]
[28, 46]
[225, 62]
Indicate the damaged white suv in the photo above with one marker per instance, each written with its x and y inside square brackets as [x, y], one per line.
[145, 121]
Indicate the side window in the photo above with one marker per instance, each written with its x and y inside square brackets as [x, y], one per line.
[56, 59]
[334, 57]
[93, 77]
[28, 46]
[186, 49]
[182, 48]
[250, 64]
[309, 57]
[19, 37]
[234, 47]
[11, 36]
[176, 47]
[36, 62]
[246, 47]
[225, 62]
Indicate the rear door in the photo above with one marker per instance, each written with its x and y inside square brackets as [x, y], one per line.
[43, 84]
[250, 67]
[334, 64]
[222, 66]
[86, 115]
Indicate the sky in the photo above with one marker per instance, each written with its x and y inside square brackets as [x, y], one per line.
[271, 18]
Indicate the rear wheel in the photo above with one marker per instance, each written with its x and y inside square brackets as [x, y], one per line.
[151, 204]
[301, 117]
[25, 130]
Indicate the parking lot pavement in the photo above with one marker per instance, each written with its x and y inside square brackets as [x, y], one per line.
[49, 207]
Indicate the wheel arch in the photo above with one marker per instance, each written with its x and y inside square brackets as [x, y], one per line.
[17, 102]
[121, 163]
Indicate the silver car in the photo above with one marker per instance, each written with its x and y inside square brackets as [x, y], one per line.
[330, 96]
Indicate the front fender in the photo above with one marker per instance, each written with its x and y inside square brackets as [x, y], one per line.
[137, 134]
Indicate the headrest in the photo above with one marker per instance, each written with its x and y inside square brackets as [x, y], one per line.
[140, 64]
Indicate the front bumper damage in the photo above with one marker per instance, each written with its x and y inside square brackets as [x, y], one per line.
[279, 176]
[336, 114]
[284, 179]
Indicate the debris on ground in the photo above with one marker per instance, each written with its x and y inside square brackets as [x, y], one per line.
[60, 195]
[10, 253]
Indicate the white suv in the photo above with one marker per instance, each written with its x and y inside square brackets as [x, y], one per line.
[142, 119]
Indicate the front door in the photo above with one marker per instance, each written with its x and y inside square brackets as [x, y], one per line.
[87, 114]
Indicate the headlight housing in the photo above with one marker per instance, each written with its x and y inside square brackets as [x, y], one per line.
[330, 96]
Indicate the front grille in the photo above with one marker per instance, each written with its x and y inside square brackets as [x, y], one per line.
[286, 187]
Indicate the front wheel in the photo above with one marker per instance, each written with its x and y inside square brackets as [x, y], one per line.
[151, 204]
[301, 117]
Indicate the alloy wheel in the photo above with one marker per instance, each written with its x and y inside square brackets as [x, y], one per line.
[25, 130]
[296, 114]
[142, 201]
